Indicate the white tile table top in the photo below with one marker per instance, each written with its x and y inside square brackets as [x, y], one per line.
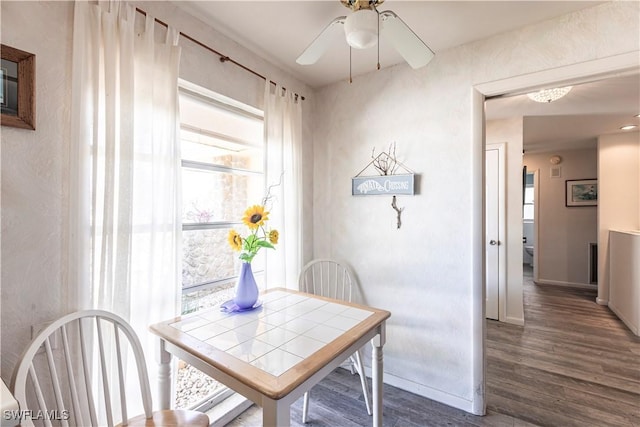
[277, 336]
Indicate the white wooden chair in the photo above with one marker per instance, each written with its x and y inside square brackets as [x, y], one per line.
[329, 278]
[58, 363]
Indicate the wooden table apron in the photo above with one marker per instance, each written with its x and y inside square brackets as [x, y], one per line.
[274, 394]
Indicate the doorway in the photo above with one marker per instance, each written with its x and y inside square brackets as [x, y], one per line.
[512, 132]
[530, 187]
[573, 74]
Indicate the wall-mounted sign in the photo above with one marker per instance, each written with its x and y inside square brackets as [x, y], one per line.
[401, 184]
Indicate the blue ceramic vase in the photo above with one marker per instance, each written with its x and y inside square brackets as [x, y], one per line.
[246, 288]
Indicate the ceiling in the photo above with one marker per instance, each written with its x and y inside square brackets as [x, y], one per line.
[280, 30]
[576, 120]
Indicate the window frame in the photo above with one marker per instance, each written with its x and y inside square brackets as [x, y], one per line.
[232, 106]
[209, 402]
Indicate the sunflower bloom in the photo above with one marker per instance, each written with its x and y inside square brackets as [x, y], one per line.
[235, 240]
[255, 217]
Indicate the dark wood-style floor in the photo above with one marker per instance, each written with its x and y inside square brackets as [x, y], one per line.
[573, 364]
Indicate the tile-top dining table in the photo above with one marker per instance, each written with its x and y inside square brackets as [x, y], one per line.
[275, 353]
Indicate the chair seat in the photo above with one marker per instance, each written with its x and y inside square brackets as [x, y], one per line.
[169, 418]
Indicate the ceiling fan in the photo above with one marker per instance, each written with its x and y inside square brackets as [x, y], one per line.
[363, 27]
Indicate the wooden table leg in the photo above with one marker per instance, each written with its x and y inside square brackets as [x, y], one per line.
[164, 376]
[276, 413]
[377, 372]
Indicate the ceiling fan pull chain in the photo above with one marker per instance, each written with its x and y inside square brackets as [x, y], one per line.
[376, 10]
[350, 79]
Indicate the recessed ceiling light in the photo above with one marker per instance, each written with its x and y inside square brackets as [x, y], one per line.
[628, 127]
[637, 115]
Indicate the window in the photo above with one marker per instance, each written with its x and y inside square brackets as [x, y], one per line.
[527, 212]
[222, 154]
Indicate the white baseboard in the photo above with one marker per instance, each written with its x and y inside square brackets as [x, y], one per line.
[602, 301]
[565, 284]
[514, 321]
[632, 327]
[426, 391]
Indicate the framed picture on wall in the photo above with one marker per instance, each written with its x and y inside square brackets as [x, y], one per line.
[17, 88]
[581, 192]
[3, 86]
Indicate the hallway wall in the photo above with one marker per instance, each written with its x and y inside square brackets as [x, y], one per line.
[564, 233]
[619, 168]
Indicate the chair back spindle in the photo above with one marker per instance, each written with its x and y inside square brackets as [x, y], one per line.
[75, 401]
[328, 278]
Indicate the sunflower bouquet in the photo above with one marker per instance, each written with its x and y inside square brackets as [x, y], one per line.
[255, 218]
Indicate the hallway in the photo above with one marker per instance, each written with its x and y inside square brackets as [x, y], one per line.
[573, 364]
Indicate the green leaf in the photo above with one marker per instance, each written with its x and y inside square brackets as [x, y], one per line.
[265, 244]
[247, 257]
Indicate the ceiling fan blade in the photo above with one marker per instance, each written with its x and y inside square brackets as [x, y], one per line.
[318, 47]
[404, 40]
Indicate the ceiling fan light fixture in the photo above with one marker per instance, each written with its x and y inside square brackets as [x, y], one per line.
[361, 29]
[549, 95]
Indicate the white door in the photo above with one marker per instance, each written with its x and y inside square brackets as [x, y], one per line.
[494, 228]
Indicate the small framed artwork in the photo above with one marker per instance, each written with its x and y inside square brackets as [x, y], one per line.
[17, 88]
[581, 192]
[3, 86]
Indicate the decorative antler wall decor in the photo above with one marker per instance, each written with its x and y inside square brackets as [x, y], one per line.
[389, 182]
[398, 211]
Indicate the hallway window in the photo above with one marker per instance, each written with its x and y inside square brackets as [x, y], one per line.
[527, 211]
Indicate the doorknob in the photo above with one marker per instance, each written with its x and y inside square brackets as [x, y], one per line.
[493, 242]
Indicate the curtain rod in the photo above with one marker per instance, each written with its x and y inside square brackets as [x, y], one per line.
[223, 58]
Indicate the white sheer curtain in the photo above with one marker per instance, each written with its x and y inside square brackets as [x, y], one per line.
[283, 134]
[124, 206]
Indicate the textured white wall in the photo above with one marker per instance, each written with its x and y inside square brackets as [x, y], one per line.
[424, 272]
[564, 233]
[619, 196]
[35, 179]
[35, 164]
